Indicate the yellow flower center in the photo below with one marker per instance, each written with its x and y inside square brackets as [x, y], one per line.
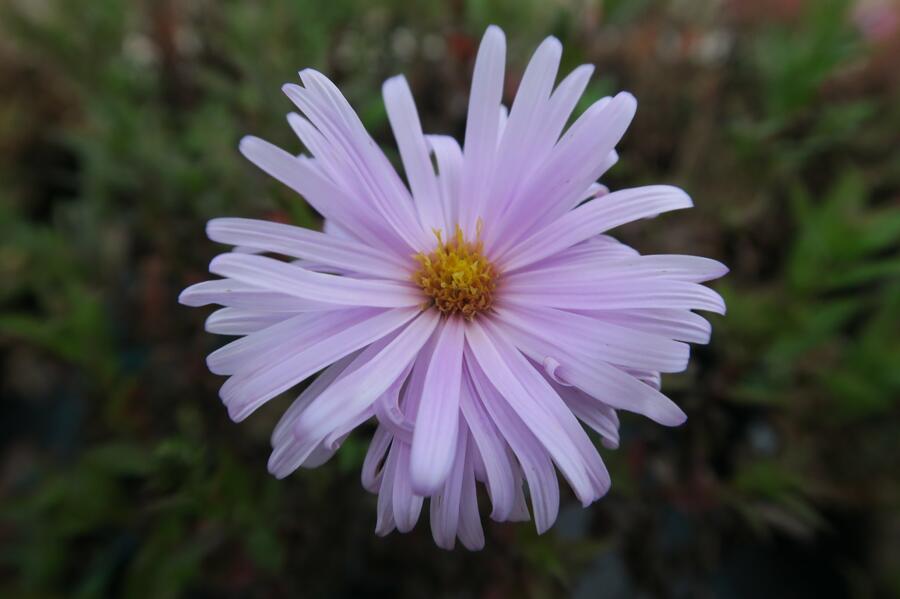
[456, 276]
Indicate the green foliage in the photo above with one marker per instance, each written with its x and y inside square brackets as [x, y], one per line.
[121, 475]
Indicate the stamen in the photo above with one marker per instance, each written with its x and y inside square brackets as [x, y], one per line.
[456, 276]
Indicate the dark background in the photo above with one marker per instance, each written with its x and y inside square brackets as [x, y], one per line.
[121, 474]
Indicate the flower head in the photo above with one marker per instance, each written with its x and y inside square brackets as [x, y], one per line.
[457, 277]
[476, 315]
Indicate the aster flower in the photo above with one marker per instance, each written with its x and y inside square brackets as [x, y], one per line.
[476, 315]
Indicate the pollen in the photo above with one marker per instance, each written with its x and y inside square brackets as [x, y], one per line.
[456, 276]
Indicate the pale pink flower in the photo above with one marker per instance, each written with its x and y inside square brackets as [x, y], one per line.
[476, 315]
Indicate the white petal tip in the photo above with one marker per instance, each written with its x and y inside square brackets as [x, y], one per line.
[426, 481]
[588, 69]
[185, 298]
[626, 98]
[383, 530]
[494, 32]
[392, 82]
[291, 90]
[675, 418]
[609, 443]
[248, 143]
[543, 527]
[552, 44]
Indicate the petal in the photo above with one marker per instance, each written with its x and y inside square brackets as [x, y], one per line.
[538, 387]
[290, 452]
[330, 112]
[520, 507]
[599, 340]
[682, 325]
[577, 161]
[592, 218]
[412, 391]
[501, 363]
[407, 505]
[434, 437]
[357, 391]
[407, 129]
[275, 275]
[469, 530]
[282, 430]
[300, 331]
[592, 412]
[563, 101]
[624, 295]
[385, 520]
[515, 154]
[287, 454]
[599, 266]
[533, 458]
[237, 321]
[371, 473]
[445, 505]
[325, 196]
[492, 449]
[247, 390]
[294, 241]
[449, 159]
[388, 412]
[482, 122]
[234, 294]
[598, 379]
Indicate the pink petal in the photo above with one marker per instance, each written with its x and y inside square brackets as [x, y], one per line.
[621, 295]
[600, 266]
[388, 412]
[598, 379]
[534, 459]
[599, 340]
[539, 388]
[385, 522]
[445, 508]
[293, 334]
[500, 363]
[289, 240]
[235, 294]
[371, 474]
[515, 153]
[330, 112]
[592, 412]
[562, 102]
[592, 218]
[682, 325]
[249, 389]
[352, 394]
[275, 275]
[492, 449]
[237, 321]
[407, 504]
[407, 129]
[434, 436]
[469, 530]
[283, 429]
[577, 161]
[326, 197]
[449, 161]
[482, 123]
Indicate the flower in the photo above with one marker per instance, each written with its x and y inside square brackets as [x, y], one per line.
[476, 315]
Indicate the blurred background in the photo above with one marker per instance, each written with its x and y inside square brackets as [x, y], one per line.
[120, 473]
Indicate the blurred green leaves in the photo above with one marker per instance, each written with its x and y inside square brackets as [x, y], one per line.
[140, 106]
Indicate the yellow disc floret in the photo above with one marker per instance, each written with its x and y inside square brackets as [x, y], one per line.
[456, 276]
